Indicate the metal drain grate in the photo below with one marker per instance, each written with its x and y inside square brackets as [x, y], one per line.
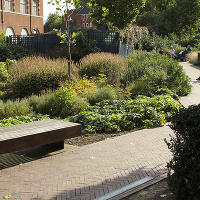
[125, 188]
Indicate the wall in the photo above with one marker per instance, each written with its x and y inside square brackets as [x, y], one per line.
[18, 21]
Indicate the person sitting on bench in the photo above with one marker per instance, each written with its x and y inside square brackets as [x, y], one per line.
[185, 52]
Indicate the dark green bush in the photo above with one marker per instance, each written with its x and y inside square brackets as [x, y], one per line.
[184, 167]
[147, 70]
[120, 115]
[13, 52]
[32, 75]
[111, 65]
[14, 108]
[80, 47]
[149, 41]
[22, 119]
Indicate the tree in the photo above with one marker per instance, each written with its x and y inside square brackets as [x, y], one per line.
[54, 21]
[168, 16]
[117, 12]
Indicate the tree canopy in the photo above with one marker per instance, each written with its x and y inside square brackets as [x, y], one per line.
[54, 21]
[117, 12]
[167, 16]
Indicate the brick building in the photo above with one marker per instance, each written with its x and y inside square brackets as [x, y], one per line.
[78, 19]
[21, 17]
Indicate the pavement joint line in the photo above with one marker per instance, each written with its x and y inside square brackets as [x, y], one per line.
[125, 188]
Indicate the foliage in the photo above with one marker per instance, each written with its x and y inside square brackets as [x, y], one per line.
[54, 21]
[65, 98]
[22, 119]
[45, 104]
[156, 70]
[111, 11]
[183, 176]
[111, 65]
[57, 105]
[84, 85]
[2, 37]
[119, 115]
[150, 41]
[31, 75]
[14, 108]
[133, 33]
[3, 72]
[13, 52]
[170, 16]
[80, 47]
[102, 93]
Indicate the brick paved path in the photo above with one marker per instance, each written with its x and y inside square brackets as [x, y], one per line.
[91, 171]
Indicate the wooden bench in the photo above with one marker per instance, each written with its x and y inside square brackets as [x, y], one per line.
[45, 132]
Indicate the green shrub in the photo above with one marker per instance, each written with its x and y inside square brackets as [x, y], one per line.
[120, 115]
[156, 70]
[80, 104]
[147, 89]
[3, 72]
[149, 41]
[13, 52]
[111, 65]
[2, 36]
[80, 47]
[32, 75]
[45, 104]
[60, 103]
[100, 94]
[22, 119]
[184, 176]
[65, 98]
[14, 108]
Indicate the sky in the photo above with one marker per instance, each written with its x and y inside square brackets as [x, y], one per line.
[48, 8]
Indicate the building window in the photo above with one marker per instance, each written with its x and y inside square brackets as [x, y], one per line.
[90, 24]
[35, 7]
[83, 25]
[87, 25]
[10, 31]
[9, 5]
[23, 6]
[24, 32]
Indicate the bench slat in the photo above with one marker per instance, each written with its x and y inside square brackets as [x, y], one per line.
[19, 137]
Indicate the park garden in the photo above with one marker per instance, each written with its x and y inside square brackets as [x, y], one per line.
[108, 93]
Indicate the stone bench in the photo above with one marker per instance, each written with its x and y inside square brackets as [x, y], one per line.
[46, 132]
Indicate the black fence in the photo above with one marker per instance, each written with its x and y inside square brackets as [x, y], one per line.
[40, 44]
[43, 43]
